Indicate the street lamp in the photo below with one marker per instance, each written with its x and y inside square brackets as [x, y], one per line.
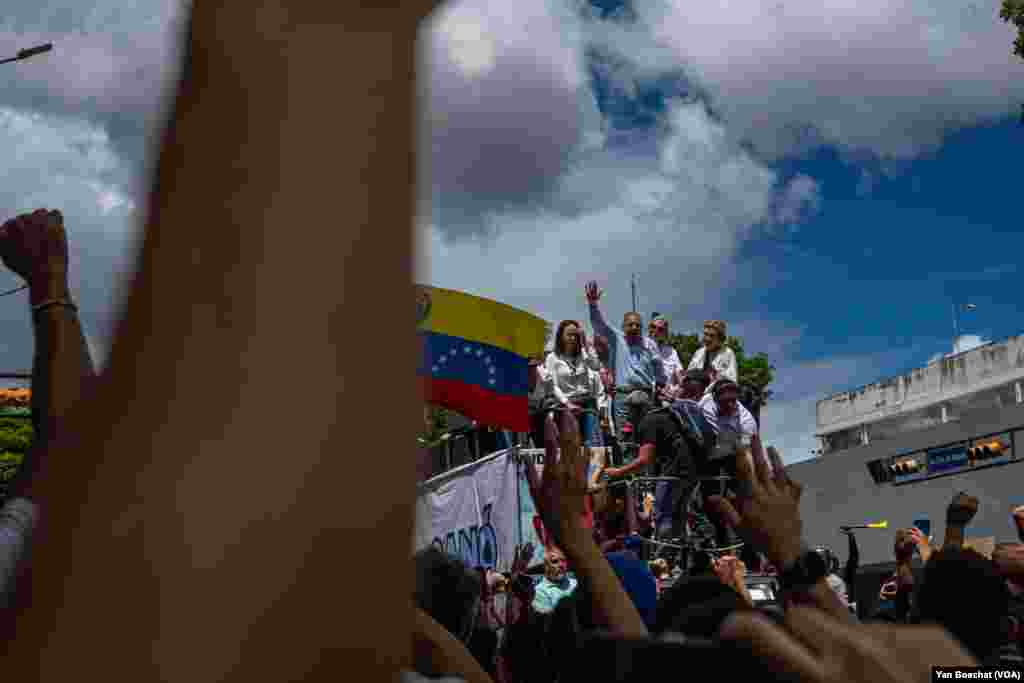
[28, 52]
[957, 309]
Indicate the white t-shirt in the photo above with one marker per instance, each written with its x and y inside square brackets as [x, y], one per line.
[724, 363]
[670, 359]
[741, 422]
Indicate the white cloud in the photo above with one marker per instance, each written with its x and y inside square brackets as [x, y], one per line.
[880, 77]
[675, 220]
[67, 164]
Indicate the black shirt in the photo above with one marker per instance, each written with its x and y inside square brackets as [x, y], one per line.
[673, 451]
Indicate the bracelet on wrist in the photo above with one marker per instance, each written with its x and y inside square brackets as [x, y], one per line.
[51, 303]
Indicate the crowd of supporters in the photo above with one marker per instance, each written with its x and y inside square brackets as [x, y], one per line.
[596, 587]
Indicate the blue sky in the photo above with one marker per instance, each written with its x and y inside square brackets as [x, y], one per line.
[827, 178]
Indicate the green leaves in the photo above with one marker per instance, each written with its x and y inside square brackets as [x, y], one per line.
[436, 424]
[15, 440]
[1012, 12]
[754, 371]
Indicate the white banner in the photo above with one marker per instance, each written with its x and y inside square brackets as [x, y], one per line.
[472, 512]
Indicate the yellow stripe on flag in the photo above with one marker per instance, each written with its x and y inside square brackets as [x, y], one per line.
[474, 318]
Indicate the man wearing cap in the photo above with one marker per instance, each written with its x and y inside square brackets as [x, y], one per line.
[715, 358]
[724, 412]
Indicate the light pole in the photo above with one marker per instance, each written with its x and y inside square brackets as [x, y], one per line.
[957, 308]
[28, 52]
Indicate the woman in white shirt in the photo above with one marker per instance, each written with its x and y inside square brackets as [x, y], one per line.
[573, 382]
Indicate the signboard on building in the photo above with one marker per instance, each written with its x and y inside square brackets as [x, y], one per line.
[947, 458]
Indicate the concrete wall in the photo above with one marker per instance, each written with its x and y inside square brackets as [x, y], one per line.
[975, 370]
[839, 490]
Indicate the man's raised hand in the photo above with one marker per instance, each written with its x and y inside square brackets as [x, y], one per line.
[593, 292]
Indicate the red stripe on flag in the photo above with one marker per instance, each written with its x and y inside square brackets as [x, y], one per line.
[476, 403]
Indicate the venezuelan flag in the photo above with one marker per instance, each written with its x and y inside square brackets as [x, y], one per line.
[475, 355]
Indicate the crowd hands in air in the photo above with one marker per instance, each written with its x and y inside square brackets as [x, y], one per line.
[139, 506]
[944, 607]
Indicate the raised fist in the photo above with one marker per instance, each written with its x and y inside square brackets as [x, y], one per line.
[962, 510]
[35, 247]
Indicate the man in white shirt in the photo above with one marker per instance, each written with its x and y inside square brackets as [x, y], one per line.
[659, 336]
[716, 359]
[724, 412]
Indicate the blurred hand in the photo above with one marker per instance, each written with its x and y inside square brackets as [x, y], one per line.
[1009, 560]
[496, 582]
[903, 545]
[523, 555]
[962, 510]
[766, 514]
[593, 292]
[563, 486]
[732, 572]
[818, 648]
[34, 245]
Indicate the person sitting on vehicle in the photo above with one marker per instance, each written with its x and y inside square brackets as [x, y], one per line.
[637, 368]
[659, 334]
[716, 359]
[539, 384]
[724, 412]
[574, 384]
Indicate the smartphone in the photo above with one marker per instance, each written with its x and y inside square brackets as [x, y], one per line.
[643, 660]
[925, 525]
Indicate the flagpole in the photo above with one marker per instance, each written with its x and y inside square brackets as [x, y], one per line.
[956, 328]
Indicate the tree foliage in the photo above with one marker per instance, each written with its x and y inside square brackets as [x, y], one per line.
[15, 440]
[435, 424]
[754, 371]
[1012, 12]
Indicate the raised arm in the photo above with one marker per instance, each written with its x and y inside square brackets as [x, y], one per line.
[35, 247]
[248, 259]
[560, 503]
[959, 514]
[601, 326]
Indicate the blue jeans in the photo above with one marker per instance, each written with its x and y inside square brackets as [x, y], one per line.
[623, 414]
[590, 432]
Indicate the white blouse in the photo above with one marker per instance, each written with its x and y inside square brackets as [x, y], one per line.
[571, 379]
